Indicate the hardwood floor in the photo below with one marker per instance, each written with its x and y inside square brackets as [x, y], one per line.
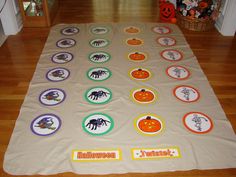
[20, 53]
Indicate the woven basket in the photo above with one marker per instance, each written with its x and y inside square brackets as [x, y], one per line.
[197, 24]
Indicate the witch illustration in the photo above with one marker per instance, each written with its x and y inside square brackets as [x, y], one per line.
[58, 73]
[62, 57]
[46, 123]
[70, 30]
[52, 95]
[66, 42]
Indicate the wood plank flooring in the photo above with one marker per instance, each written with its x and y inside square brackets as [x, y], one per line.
[20, 53]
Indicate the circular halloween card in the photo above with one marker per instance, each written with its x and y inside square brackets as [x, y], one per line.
[137, 56]
[99, 43]
[66, 43]
[134, 42]
[99, 30]
[161, 29]
[99, 74]
[46, 124]
[97, 124]
[177, 72]
[52, 97]
[186, 93]
[57, 74]
[132, 30]
[140, 73]
[149, 124]
[172, 55]
[166, 41]
[62, 57]
[99, 57]
[69, 31]
[143, 95]
[197, 122]
[98, 95]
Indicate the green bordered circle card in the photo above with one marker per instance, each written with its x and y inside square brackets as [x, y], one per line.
[98, 95]
[99, 74]
[97, 124]
[99, 57]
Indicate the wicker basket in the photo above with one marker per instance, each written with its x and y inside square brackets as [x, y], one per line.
[197, 24]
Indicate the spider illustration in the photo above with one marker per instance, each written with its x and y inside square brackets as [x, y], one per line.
[178, 72]
[98, 42]
[63, 57]
[98, 73]
[97, 57]
[95, 95]
[66, 42]
[99, 30]
[93, 124]
[46, 122]
[198, 121]
[58, 73]
[187, 93]
[53, 95]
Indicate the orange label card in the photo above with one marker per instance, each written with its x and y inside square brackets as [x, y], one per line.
[96, 155]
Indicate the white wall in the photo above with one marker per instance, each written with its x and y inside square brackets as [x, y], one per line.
[226, 23]
[11, 18]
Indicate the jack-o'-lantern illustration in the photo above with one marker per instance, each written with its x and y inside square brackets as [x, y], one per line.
[144, 96]
[132, 30]
[167, 11]
[149, 125]
[134, 41]
[137, 56]
[140, 74]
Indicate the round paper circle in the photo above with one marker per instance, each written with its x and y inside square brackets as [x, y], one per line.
[186, 93]
[161, 29]
[178, 72]
[66, 43]
[98, 95]
[62, 57]
[57, 74]
[134, 41]
[99, 74]
[197, 122]
[140, 74]
[46, 124]
[98, 43]
[137, 56]
[99, 30]
[52, 97]
[132, 30]
[99, 57]
[143, 95]
[172, 55]
[97, 124]
[149, 124]
[69, 31]
[166, 41]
